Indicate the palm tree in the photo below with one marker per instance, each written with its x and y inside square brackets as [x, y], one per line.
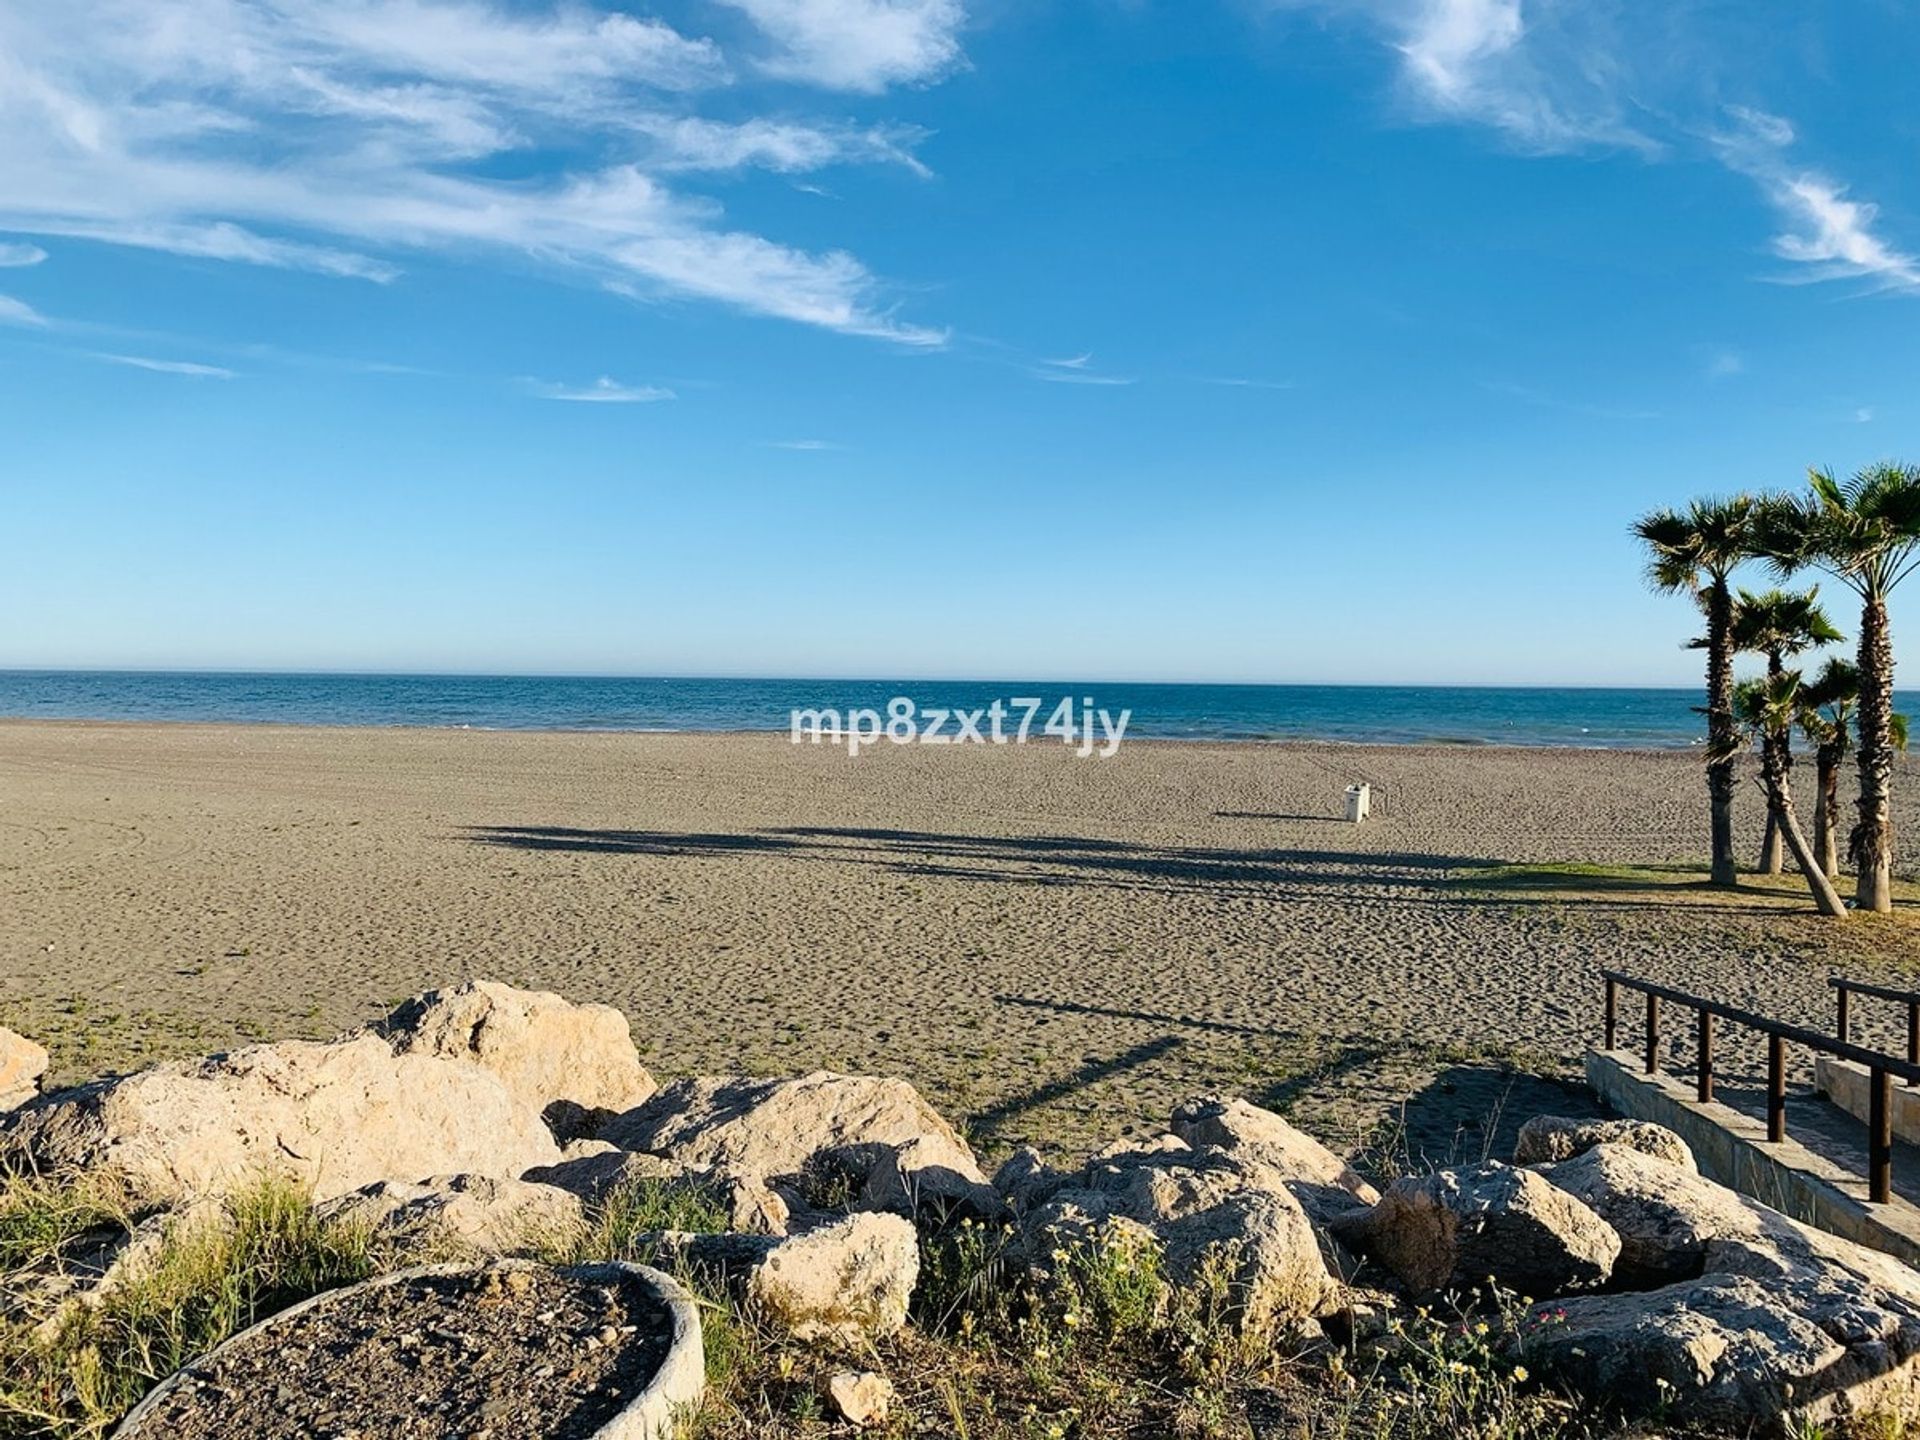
[1779, 624]
[1693, 551]
[1826, 718]
[1766, 709]
[1865, 532]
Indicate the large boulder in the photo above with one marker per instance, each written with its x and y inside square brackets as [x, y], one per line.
[1736, 1356]
[456, 1217]
[575, 1063]
[1456, 1229]
[1205, 1210]
[1664, 1215]
[1549, 1138]
[888, 1145]
[22, 1063]
[1778, 1323]
[1324, 1184]
[333, 1116]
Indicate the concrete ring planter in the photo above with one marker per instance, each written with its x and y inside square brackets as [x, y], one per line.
[654, 1414]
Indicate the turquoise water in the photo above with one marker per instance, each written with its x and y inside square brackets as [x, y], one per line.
[1610, 718]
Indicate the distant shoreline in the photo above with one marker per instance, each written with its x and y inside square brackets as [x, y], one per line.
[401, 727]
[1466, 717]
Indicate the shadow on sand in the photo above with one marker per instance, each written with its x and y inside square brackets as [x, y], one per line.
[1016, 859]
[1390, 877]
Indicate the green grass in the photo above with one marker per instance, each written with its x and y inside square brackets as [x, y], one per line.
[207, 1281]
[1089, 1345]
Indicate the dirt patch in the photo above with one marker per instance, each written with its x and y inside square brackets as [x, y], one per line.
[494, 1353]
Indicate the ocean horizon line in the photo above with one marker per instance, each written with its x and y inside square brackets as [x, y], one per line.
[1581, 717]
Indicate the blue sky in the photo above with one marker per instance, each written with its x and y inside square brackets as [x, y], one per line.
[1316, 340]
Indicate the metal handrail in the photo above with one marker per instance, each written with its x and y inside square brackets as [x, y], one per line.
[1881, 1068]
[1845, 990]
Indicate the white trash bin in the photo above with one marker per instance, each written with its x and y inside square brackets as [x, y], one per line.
[1359, 803]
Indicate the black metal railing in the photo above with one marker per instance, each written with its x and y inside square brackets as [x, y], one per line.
[1844, 990]
[1881, 1069]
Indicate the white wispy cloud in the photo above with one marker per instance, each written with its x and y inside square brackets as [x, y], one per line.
[18, 312]
[16, 257]
[604, 391]
[861, 45]
[1863, 415]
[341, 136]
[1722, 362]
[191, 369]
[1833, 236]
[1528, 395]
[1554, 76]
[690, 143]
[1539, 72]
[1241, 382]
[1075, 370]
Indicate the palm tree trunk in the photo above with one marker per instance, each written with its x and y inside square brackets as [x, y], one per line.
[1826, 811]
[1872, 843]
[1773, 855]
[1772, 852]
[1780, 803]
[1720, 732]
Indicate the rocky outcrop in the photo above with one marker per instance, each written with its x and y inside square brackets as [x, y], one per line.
[1738, 1356]
[576, 1064]
[460, 1216]
[22, 1063]
[1549, 1138]
[1205, 1210]
[1773, 1322]
[1456, 1229]
[887, 1145]
[1324, 1184]
[334, 1116]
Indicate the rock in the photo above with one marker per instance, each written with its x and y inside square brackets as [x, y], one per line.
[1784, 1324]
[334, 1116]
[22, 1063]
[786, 1131]
[862, 1397]
[576, 1063]
[1730, 1354]
[1026, 1182]
[1665, 1216]
[919, 1177]
[1548, 1138]
[1203, 1210]
[460, 1216]
[845, 1283]
[1454, 1229]
[1324, 1184]
[745, 1204]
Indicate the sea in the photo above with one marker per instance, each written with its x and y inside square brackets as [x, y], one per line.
[1599, 718]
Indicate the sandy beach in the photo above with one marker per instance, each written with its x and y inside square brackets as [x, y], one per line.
[1053, 948]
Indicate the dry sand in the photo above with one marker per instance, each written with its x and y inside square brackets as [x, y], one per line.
[1054, 948]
